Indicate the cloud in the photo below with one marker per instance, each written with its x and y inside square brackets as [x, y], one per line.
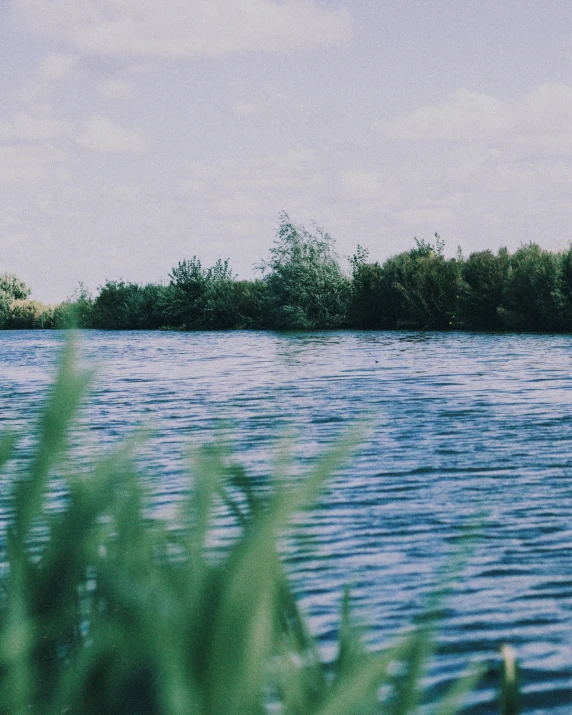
[56, 65]
[185, 28]
[101, 134]
[23, 127]
[28, 165]
[239, 205]
[468, 116]
[115, 88]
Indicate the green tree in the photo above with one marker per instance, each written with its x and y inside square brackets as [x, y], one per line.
[419, 288]
[128, 306]
[306, 288]
[367, 308]
[11, 289]
[484, 277]
[203, 298]
[530, 298]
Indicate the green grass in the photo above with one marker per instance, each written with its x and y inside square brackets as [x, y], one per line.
[104, 610]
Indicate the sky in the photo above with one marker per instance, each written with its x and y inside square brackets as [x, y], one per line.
[137, 133]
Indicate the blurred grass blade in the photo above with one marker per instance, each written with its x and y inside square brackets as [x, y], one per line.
[510, 690]
[7, 445]
[357, 686]
[69, 389]
[454, 698]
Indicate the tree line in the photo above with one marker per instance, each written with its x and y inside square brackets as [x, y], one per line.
[304, 287]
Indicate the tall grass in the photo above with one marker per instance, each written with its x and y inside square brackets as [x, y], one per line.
[106, 610]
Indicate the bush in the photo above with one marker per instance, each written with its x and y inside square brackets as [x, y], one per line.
[104, 610]
[249, 300]
[11, 289]
[563, 293]
[76, 311]
[484, 278]
[367, 308]
[203, 298]
[126, 306]
[530, 297]
[28, 314]
[306, 289]
[420, 288]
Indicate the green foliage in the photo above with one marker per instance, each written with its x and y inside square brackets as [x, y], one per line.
[367, 308]
[530, 299]
[420, 288]
[126, 306]
[484, 277]
[104, 610]
[12, 286]
[76, 311]
[249, 299]
[203, 298]
[11, 289]
[563, 293]
[306, 289]
[28, 314]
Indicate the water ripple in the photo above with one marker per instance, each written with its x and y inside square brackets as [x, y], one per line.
[465, 429]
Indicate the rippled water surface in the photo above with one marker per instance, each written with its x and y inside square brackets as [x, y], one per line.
[465, 427]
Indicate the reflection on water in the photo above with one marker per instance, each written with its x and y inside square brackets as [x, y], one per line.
[462, 425]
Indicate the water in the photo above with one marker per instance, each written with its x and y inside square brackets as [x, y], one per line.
[464, 428]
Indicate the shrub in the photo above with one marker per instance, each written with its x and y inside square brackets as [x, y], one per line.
[563, 293]
[484, 277]
[249, 300]
[203, 298]
[28, 314]
[11, 289]
[306, 289]
[419, 288]
[105, 610]
[367, 308]
[530, 299]
[127, 306]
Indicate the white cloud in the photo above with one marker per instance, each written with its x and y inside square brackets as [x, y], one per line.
[361, 185]
[23, 127]
[101, 134]
[279, 174]
[239, 205]
[469, 116]
[29, 165]
[56, 65]
[115, 88]
[464, 115]
[185, 28]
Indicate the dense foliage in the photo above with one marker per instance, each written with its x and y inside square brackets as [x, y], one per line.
[304, 287]
[104, 609]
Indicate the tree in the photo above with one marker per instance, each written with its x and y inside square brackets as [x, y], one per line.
[530, 297]
[306, 288]
[11, 289]
[203, 298]
[484, 277]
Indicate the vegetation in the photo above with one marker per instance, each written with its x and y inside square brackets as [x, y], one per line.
[106, 610]
[304, 287]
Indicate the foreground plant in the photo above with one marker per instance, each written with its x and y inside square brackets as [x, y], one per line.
[104, 610]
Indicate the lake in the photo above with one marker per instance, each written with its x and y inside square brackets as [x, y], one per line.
[463, 429]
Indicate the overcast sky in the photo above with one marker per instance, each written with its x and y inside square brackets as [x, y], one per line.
[136, 133]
